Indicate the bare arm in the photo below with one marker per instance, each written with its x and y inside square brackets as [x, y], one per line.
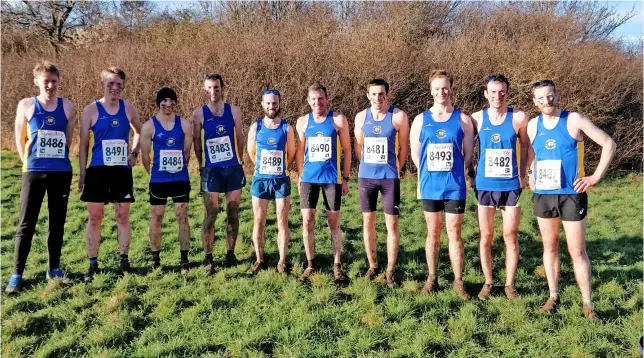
[414, 139]
[20, 129]
[608, 150]
[524, 140]
[70, 113]
[291, 148]
[301, 143]
[197, 117]
[403, 137]
[468, 140]
[476, 121]
[86, 122]
[250, 145]
[187, 139]
[135, 124]
[357, 132]
[146, 144]
[531, 131]
[345, 141]
[239, 134]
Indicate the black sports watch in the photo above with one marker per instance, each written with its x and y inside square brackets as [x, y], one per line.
[471, 173]
[135, 154]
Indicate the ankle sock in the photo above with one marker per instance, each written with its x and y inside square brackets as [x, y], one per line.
[184, 255]
[124, 258]
[93, 261]
[155, 256]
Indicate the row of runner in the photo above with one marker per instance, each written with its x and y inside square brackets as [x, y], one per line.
[440, 140]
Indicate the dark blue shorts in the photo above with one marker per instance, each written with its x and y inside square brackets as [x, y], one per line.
[390, 190]
[270, 189]
[222, 179]
[498, 199]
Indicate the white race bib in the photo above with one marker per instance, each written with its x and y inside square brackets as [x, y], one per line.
[375, 150]
[271, 162]
[219, 149]
[548, 175]
[114, 152]
[170, 160]
[51, 144]
[319, 148]
[440, 157]
[498, 163]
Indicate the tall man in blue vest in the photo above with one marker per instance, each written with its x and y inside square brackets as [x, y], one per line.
[169, 137]
[44, 130]
[382, 144]
[323, 139]
[503, 147]
[218, 146]
[559, 182]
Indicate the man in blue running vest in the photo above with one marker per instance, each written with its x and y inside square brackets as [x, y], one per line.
[271, 147]
[44, 131]
[169, 137]
[559, 182]
[323, 139]
[503, 148]
[218, 145]
[382, 144]
[108, 177]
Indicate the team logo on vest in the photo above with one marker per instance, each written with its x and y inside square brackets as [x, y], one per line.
[441, 133]
[170, 142]
[50, 121]
[377, 129]
[271, 141]
[551, 144]
[220, 129]
[115, 122]
[319, 134]
[496, 138]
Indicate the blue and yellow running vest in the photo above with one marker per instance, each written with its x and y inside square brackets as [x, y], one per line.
[219, 139]
[270, 151]
[380, 147]
[111, 135]
[169, 157]
[497, 168]
[441, 175]
[46, 147]
[559, 158]
[322, 152]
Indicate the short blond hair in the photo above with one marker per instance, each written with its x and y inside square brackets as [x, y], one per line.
[45, 66]
[113, 70]
[441, 74]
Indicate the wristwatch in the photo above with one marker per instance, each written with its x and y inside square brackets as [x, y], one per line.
[471, 173]
[135, 154]
[530, 171]
[345, 179]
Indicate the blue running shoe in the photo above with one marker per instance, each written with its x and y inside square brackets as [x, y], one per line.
[14, 284]
[57, 273]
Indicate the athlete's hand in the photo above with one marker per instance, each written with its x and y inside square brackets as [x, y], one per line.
[521, 183]
[582, 184]
[531, 182]
[81, 182]
[131, 159]
[299, 188]
[345, 188]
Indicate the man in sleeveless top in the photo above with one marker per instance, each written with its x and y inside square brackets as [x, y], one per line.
[44, 130]
[170, 138]
[442, 141]
[499, 178]
[557, 177]
[382, 137]
[218, 146]
[322, 135]
[271, 147]
[108, 178]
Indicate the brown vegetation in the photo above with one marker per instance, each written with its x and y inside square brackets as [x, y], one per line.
[344, 45]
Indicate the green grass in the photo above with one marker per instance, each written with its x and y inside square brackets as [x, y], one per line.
[229, 314]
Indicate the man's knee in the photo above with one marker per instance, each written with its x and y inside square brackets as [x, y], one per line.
[122, 218]
[95, 218]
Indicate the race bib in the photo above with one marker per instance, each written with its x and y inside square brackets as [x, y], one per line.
[375, 150]
[170, 160]
[440, 157]
[271, 162]
[219, 149]
[319, 149]
[114, 152]
[498, 163]
[548, 175]
[51, 144]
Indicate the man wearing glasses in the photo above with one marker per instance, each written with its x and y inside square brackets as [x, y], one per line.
[170, 137]
[559, 182]
[382, 137]
[271, 147]
[323, 138]
[503, 146]
[218, 154]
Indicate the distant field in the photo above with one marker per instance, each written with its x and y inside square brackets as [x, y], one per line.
[231, 315]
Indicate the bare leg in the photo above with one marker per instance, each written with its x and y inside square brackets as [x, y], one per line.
[550, 235]
[333, 220]
[282, 207]
[369, 234]
[393, 240]
[181, 211]
[434, 223]
[308, 233]
[511, 217]
[156, 220]
[260, 207]
[211, 203]
[486, 227]
[576, 240]
[233, 199]
[124, 229]
[93, 233]
[453, 223]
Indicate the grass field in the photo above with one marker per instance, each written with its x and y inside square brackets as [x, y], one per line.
[229, 314]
